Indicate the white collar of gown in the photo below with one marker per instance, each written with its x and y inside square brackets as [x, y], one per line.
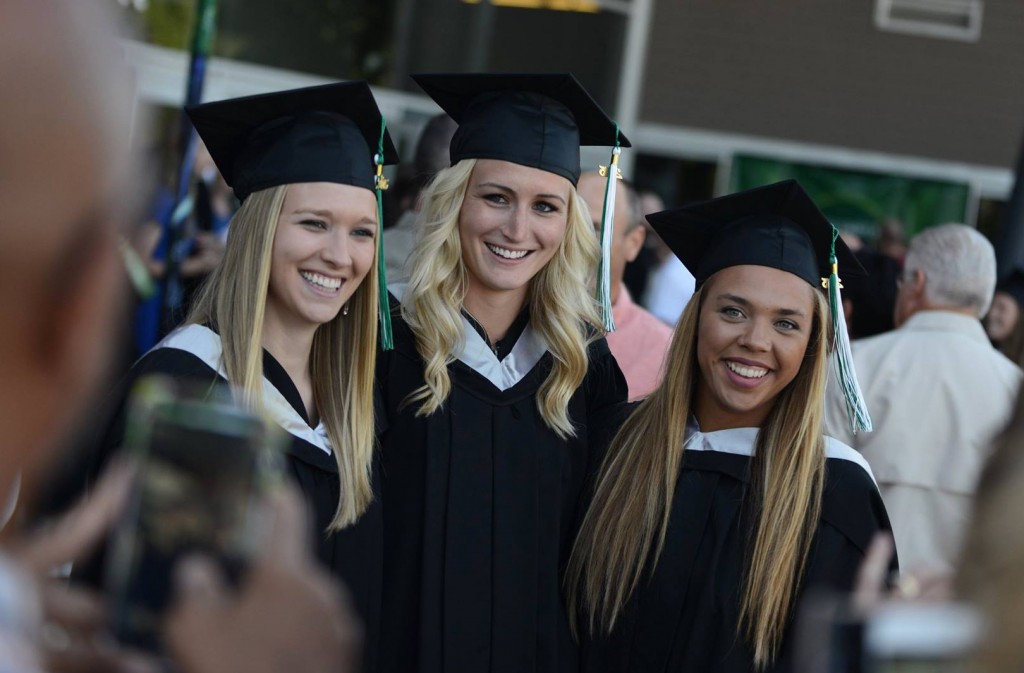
[474, 352]
[741, 442]
[205, 344]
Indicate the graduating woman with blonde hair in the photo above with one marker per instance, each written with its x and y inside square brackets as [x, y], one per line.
[290, 316]
[720, 499]
[498, 372]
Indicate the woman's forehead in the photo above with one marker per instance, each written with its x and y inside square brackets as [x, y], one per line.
[762, 286]
[518, 177]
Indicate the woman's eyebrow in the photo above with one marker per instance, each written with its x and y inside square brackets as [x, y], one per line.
[551, 196]
[736, 299]
[504, 188]
[495, 185]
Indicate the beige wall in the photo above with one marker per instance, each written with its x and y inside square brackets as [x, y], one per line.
[819, 71]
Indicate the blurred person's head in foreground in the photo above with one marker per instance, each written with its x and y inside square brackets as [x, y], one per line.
[991, 569]
[629, 233]
[951, 267]
[65, 139]
[1003, 322]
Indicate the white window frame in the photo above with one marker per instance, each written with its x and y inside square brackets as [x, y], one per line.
[971, 10]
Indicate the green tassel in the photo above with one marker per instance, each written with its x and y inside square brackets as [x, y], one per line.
[383, 306]
[143, 283]
[842, 356]
[604, 272]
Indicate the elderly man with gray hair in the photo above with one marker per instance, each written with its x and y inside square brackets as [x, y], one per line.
[937, 391]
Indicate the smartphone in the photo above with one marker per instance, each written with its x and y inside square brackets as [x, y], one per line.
[204, 465]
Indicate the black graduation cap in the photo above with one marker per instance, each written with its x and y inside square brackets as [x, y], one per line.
[326, 133]
[1013, 285]
[532, 120]
[777, 226]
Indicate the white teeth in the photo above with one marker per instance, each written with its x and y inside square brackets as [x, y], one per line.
[322, 281]
[507, 254]
[747, 372]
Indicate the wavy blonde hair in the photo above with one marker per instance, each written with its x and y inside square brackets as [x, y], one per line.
[625, 527]
[234, 300]
[437, 289]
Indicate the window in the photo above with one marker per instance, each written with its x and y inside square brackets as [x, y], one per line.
[945, 19]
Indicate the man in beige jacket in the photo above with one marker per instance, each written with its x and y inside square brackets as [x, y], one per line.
[937, 392]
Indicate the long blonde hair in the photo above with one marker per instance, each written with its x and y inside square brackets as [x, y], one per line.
[437, 289]
[234, 300]
[625, 527]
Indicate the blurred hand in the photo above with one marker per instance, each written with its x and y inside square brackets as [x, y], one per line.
[288, 615]
[145, 240]
[73, 635]
[205, 257]
[870, 588]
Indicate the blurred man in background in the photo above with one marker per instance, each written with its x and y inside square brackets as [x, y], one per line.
[640, 341]
[669, 284]
[431, 156]
[937, 392]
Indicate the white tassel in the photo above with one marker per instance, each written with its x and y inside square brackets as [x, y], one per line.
[604, 276]
[842, 356]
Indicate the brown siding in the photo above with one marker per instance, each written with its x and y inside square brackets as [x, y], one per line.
[819, 71]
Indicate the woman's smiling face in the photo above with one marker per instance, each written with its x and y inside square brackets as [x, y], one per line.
[513, 219]
[323, 249]
[754, 327]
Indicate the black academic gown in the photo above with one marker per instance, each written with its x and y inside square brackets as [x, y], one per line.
[482, 500]
[684, 616]
[353, 554]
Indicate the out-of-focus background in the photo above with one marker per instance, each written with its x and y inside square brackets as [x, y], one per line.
[911, 109]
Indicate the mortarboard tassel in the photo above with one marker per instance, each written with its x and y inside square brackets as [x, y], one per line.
[842, 356]
[143, 283]
[383, 306]
[604, 274]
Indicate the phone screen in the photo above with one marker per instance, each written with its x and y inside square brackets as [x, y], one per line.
[204, 464]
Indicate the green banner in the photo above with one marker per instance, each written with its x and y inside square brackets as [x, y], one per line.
[856, 201]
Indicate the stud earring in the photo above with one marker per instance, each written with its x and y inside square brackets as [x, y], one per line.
[344, 309]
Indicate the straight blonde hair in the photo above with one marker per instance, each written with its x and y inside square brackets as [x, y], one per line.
[625, 527]
[234, 300]
[437, 290]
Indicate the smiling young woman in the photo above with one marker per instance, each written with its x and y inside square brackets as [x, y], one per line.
[496, 380]
[289, 317]
[720, 500]
[325, 244]
[751, 341]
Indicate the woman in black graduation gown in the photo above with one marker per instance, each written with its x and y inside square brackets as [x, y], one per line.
[720, 500]
[497, 373]
[289, 317]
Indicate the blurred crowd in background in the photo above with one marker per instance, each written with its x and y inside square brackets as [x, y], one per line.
[937, 322]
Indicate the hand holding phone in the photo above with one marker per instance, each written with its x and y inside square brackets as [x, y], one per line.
[204, 466]
[288, 614]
